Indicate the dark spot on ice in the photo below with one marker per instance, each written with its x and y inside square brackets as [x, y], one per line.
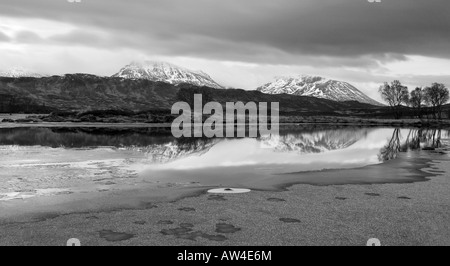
[46, 216]
[289, 220]
[111, 236]
[140, 222]
[186, 225]
[217, 198]
[224, 228]
[187, 209]
[373, 194]
[189, 234]
[403, 197]
[165, 222]
[340, 198]
[275, 200]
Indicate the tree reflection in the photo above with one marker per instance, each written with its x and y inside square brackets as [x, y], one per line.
[416, 139]
[433, 138]
[391, 149]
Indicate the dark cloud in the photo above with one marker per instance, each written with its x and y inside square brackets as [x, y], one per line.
[79, 37]
[268, 31]
[424, 80]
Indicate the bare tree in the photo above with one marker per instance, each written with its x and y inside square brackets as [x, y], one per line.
[394, 94]
[437, 95]
[416, 99]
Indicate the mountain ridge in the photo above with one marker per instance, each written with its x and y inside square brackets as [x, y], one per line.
[81, 92]
[20, 72]
[316, 86]
[166, 72]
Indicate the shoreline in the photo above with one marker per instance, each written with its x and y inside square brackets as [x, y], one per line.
[108, 120]
[166, 125]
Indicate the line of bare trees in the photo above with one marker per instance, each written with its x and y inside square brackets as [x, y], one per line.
[433, 97]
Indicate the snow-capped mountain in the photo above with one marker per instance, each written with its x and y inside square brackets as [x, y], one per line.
[18, 72]
[166, 72]
[315, 86]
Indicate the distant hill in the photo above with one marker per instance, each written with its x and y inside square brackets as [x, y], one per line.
[319, 87]
[19, 72]
[81, 92]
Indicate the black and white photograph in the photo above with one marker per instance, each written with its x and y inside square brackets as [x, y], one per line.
[224, 124]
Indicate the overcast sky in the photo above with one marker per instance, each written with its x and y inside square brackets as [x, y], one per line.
[240, 43]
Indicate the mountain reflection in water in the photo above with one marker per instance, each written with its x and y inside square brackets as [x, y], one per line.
[329, 147]
[156, 156]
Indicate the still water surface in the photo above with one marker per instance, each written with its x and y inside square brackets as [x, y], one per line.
[36, 161]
